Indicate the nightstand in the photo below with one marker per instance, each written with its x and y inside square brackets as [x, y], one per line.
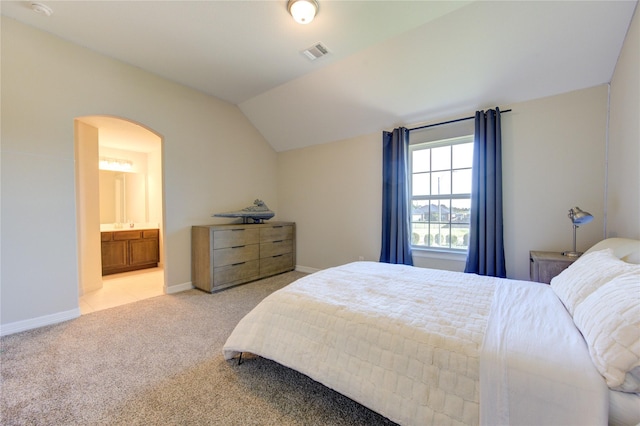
[547, 264]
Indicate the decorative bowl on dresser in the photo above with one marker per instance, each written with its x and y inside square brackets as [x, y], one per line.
[226, 255]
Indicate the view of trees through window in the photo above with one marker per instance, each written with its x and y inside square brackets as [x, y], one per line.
[440, 190]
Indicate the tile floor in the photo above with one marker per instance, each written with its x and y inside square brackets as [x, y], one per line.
[120, 289]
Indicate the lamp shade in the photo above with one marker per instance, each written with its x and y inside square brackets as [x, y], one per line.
[303, 11]
[579, 217]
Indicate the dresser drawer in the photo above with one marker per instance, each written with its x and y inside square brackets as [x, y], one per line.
[276, 233]
[235, 237]
[228, 256]
[150, 233]
[126, 235]
[545, 265]
[546, 271]
[275, 248]
[241, 272]
[276, 264]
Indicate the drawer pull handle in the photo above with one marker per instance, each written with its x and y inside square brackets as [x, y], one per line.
[236, 264]
[234, 247]
[278, 241]
[279, 255]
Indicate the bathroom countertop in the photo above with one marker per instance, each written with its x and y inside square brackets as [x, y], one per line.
[112, 227]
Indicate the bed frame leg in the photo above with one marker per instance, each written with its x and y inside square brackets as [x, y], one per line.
[240, 358]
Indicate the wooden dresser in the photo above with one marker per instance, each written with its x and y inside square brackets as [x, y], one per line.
[226, 255]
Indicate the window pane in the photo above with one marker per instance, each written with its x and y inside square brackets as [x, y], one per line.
[461, 211]
[441, 158]
[459, 236]
[420, 184]
[421, 160]
[419, 234]
[462, 155]
[441, 236]
[429, 238]
[441, 183]
[420, 211]
[461, 181]
[460, 219]
[440, 210]
[419, 222]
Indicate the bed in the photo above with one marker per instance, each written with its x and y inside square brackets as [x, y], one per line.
[423, 346]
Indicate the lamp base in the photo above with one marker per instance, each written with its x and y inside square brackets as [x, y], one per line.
[572, 253]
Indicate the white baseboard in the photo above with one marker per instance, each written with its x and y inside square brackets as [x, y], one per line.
[18, 326]
[306, 269]
[178, 288]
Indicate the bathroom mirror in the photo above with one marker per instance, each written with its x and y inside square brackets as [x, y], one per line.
[123, 197]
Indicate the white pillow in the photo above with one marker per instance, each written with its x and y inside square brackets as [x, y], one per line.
[623, 248]
[609, 320]
[586, 275]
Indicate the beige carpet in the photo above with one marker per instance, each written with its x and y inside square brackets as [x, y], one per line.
[159, 362]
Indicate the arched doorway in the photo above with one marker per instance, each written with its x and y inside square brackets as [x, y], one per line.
[118, 184]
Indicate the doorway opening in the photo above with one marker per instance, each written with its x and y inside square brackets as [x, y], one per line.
[119, 203]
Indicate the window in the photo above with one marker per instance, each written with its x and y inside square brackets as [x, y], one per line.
[440, 188]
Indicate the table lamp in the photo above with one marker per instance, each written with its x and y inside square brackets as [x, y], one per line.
[577, 217]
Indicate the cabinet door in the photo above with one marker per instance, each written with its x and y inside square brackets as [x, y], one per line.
[114, 254]
[143, 251]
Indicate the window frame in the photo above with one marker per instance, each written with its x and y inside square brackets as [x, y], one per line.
[450, 252]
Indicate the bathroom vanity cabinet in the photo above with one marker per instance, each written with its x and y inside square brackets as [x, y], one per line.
[129, 250]
[226, 255]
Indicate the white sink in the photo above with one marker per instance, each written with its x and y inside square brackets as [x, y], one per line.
[108, 227]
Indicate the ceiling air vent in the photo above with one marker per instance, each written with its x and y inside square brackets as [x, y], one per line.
[316, 51]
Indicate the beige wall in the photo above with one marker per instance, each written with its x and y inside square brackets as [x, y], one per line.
[88, 208]
[333, 192]
[214, 160]
[154, 189]
[553, 156]
[623, 198]
[553, 159]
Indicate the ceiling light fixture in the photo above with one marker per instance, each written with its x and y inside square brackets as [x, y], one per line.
[42, 9]
[303, 11]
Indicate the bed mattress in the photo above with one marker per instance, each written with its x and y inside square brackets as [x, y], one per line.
[403, 341]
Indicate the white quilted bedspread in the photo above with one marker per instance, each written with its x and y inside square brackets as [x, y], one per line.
[419, 365]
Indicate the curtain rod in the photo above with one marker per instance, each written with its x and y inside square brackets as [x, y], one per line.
[450, 121]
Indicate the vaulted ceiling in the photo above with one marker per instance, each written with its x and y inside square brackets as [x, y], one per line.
[390, 63]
